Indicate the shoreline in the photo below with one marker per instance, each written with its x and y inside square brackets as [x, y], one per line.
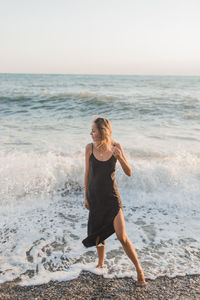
[91, 286]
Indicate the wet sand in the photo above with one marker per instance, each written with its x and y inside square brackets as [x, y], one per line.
[91, 286]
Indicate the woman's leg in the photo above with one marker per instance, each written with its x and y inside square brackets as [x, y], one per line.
[100, 252]
[119, 226]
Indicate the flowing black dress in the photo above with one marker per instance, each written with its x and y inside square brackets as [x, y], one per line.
[103, 199]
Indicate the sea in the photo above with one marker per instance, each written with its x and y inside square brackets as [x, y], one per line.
[45, 124]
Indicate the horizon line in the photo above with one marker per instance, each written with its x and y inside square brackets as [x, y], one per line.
[97, 74]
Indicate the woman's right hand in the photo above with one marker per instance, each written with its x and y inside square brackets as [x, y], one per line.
[86, 204]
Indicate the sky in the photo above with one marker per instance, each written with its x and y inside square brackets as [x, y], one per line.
[158, 37]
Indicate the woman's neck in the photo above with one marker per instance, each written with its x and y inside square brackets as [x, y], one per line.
[102, 147]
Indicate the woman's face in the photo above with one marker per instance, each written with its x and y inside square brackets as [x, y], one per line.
[95, 134]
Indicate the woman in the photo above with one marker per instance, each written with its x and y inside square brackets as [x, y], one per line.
[102, 198]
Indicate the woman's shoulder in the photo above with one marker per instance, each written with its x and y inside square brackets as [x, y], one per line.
[88, 148]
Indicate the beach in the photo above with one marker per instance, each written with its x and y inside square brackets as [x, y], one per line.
[91, 286]
[100, 144]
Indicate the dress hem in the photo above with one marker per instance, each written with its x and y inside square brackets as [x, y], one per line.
[103, 234]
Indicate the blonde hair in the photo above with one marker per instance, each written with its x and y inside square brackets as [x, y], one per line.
[105, 129]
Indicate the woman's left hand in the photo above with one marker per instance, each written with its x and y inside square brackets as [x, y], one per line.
[117, 152]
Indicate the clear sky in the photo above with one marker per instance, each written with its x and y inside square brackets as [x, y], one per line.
[100, 36]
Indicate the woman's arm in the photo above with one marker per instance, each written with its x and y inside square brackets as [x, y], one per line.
[87, 168]
[119, 154]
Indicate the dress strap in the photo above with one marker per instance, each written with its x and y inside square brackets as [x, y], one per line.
[92, 147]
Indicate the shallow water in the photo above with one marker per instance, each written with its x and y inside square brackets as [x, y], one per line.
[45, 124]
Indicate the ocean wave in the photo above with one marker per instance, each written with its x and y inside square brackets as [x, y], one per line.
[16, 98]
[27, 174]
[84, 103]
[44, 97]
[192, 116]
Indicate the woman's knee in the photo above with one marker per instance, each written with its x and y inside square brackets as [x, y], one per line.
[123, 239]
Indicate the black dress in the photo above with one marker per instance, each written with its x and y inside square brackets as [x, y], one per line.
[103, 199]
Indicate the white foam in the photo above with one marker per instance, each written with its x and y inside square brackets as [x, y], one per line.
[43, 220]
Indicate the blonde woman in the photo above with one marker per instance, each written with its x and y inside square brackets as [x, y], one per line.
[102, 198]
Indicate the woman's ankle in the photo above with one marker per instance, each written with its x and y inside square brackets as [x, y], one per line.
[100, 265]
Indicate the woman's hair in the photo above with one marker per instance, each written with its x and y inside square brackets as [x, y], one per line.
[105, 129]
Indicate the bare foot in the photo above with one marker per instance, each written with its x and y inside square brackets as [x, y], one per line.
[140, 278]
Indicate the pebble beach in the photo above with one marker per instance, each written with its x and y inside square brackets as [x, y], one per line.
[91, 286]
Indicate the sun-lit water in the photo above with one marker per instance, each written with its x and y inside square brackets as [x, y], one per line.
[45, 124]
